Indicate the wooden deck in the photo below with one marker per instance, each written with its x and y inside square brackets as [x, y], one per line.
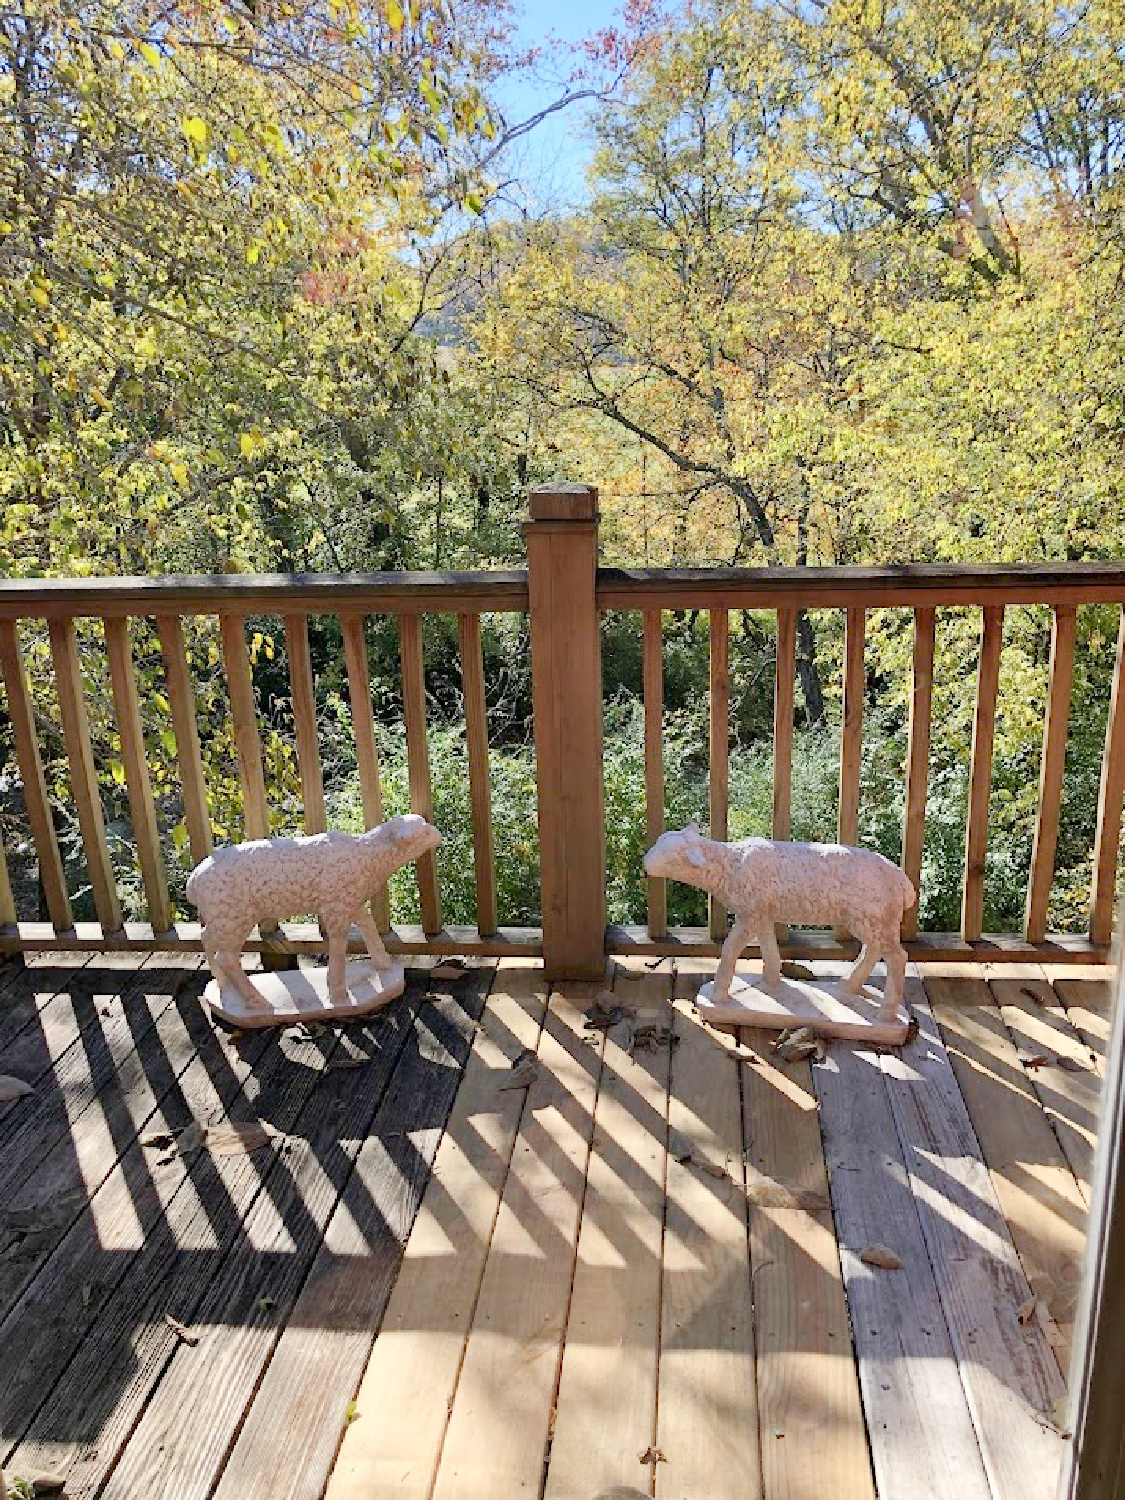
[639, 1269]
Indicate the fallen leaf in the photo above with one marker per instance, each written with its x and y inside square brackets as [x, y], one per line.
[13, 1088]
[182, 1331]
[448, 971]
[712, 1168]
[793, 970]
[1026, 1310]
[880, 1256]
[622, 1035]
[159, 1139]
[230, 1140]
[266, 1304]
[679, 1146]
[1073, 1065]
[652, 1455]
[601, 1017]
[521, 1075]
[1060, 1415]
[767, 1192]
[352, 1414]
[1033, 1059]
[39, 1483]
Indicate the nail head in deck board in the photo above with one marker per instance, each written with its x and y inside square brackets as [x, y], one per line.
[185, 724]
[476, 745]
[921, 1431]
[138, 783]
[366, 750]
[501, 1415]
[1036, 1189]
[164, 1435]
[1107, 844]
[918, 758]
[83, 772]
[411, 1379]
[1010, 1374]
[707, 1421]
[303, 690]
[808, 1387]
[418, 761]
[21, 717]
[613, 1327]
[1052, 765]
[653, 669]
[300, 1407]
[100, 1378]
[980, 773]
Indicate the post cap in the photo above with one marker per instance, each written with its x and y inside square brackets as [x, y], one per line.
[560, 500]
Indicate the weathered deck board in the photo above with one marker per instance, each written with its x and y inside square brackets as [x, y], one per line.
[300, 1407]
[706, 1370]
[613, 1329]
[1011, 1378]
[1039, 1195]
[411, 1378]
[921, 1431]
[499, 1424]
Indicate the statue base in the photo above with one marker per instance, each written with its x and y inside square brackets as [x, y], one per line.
[292, 995]
[825, 1007]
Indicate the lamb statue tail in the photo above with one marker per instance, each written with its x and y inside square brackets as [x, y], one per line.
[909, 894]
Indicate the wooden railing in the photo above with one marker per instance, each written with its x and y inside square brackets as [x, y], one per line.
[565, 595]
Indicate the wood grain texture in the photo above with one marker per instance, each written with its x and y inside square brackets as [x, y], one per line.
[366, 750]
[480, 790]
[1107, 842]
[851, 734]
[300, 1409]
[1088, 1008]
[719, 742]
[411, 1378]
[8, 912]
[138, 782]
[1009, 1372]
[1052, 765]
[1036, 1189]
[653, 668]
[980, 774]
[921, 1431]
[613, 1327]
[303, 691]
[785, 671]
[185, 724]
[918, 759]
[501, 1415]
[83, 773]
[418, 761]
[707, 1421]
[244, 717]
[21, 717]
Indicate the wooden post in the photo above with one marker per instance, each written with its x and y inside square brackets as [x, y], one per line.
[918, 760]
[719, 737]
[654, 763]
[784, 676]
[1109, 805]
[1051, 773]
[566, 668]
[980, 772]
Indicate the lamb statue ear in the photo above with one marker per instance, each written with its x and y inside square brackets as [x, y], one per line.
[692, 830]
[695, 857]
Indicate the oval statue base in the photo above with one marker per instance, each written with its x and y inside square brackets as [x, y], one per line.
[824, 1007]
[291, 995]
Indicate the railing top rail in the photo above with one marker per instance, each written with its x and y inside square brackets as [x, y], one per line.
[263, 593]
[908, 584]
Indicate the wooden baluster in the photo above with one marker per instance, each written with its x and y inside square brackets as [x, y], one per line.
[244, 717]
[366, 752]
[480, 793]
[22, 718]
[654, 763]
[138, 783]
[720, 747]
[980, 775]
[304, 718]
[7, 899]
[1108, 838]
[783, 697]
[918, 759]
[851, 736]
[83, 776]
[1051, 769]
[418, 760]
[181, 701]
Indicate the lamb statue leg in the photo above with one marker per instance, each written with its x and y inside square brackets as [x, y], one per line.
[373, 938]
[733, 947]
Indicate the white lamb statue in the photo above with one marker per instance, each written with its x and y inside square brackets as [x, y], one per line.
[331, 874]
[765, 882]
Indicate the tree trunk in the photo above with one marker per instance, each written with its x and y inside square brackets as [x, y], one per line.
[807, 670]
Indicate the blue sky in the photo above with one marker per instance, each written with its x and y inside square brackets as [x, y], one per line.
[552, 161]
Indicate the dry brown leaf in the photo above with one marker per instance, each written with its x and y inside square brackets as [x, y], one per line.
[792, 970]
[1073, 1065]
[521, 1075]
[13, 1088]
[652, 1455]
[1033, 1059]
[182, 1331]
[712, 1168]
[1026, 1310]
[881, 1257]
[448, 971]
[766, 1192]
[230, 1140]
